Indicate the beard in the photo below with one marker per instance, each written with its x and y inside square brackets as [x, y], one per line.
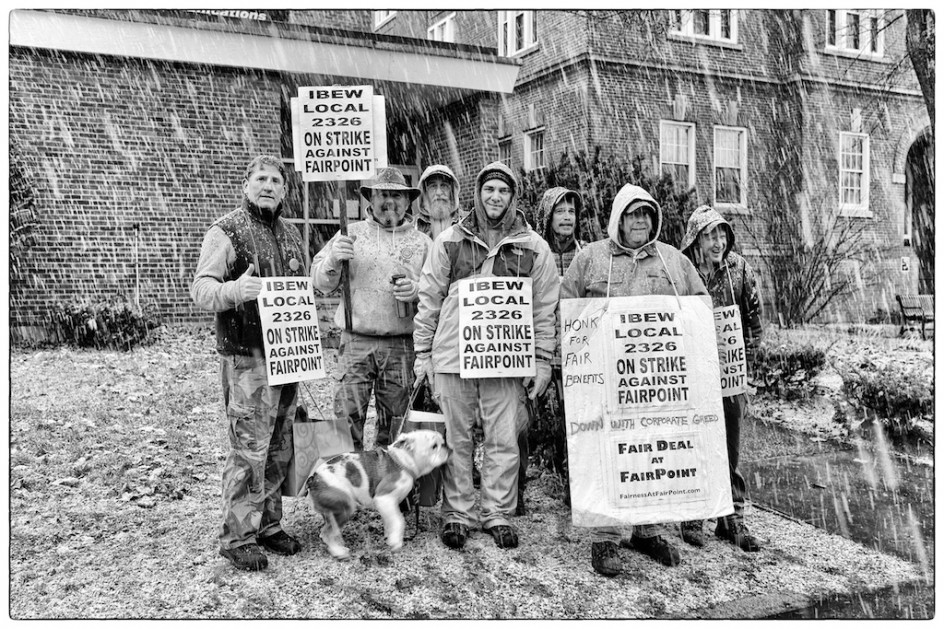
[440, 209]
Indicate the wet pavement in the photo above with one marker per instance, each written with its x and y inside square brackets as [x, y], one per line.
[866, 492]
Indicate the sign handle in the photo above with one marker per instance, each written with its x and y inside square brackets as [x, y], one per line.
[345, 265]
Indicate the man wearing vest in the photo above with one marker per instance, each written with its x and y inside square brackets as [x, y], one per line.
[250, 242]
[494, 240]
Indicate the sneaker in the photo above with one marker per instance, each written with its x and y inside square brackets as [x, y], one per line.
[281, 543]
[657, 548]
[605, 558]
[693, 532]
[504, 536]
[246, 557]
[737, 534]
[454, 535]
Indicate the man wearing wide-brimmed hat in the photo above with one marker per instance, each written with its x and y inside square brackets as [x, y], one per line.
[377, 353]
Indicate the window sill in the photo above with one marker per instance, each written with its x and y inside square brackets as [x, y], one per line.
[708, 41]
[732, 208]
[526, 51]
[849, 53]
[855, 212]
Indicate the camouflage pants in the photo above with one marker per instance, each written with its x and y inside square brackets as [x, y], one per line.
[260, 438]
[383, 364]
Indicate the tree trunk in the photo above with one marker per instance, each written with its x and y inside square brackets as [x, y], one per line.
[920, 43]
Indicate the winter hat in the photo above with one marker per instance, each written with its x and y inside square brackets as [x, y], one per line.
[388, 179]
[501, 175]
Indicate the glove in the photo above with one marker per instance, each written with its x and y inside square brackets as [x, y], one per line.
[248, 286]
[540, 380]
[423, 368]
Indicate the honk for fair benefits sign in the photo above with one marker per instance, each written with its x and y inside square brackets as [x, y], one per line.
[642, 398]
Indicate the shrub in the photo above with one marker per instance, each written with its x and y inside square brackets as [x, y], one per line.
[896, 396]
[788, 371]
[109, 323]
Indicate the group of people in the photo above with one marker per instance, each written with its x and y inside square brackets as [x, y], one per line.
[404, 273]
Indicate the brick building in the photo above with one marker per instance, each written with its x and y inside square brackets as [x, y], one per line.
[132, 127]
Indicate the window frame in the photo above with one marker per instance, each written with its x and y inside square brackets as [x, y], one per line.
[450, 21]
[506, 142]
[529, 151]
[506, 39]
[684, 25]
[691, 148]
[838, 37]
[742, 167]
[382, 16]
[861, 209]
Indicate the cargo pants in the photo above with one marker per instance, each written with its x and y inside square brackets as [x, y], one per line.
[497, 402]
[382, 364]
[260, 437]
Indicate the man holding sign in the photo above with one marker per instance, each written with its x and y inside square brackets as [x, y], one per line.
[385, 253]
[250, 242]
[485, 331]
[630, 263]
[708, 243]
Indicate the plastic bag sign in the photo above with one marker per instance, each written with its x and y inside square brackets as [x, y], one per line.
[290, 331]
[645, 423]
[496, 327]
[731, 350]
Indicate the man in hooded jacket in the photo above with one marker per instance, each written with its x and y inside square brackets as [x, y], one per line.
[494, 240]
[709, 244]
[377, 353]
[439, 200]
[630, 262]
[558, 218]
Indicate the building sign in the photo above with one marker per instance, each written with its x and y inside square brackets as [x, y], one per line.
[644, 418]
[339, 132]
[731, 352]
[496, 327]
[290, 333]
[261, 16]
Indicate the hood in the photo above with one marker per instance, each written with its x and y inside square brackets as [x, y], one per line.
[705, 217]
[627, 196]
[545, 211]
[511, 213]
[445, 171]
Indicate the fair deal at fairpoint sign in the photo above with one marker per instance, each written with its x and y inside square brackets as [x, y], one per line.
[645, 422]
[290, 333]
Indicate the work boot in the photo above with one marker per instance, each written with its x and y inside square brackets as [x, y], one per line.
[604, 558]
[281, 543]
[504, 536]
[693, 532]
[246, 557]
[736, 532]
[657, 548]
[454, 535]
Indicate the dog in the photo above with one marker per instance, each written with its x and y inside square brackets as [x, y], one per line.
[379, 478]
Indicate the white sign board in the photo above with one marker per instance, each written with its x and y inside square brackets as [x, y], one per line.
[496, 327]
[645, 422]
[339, 132]
[731, 352]
[290, 333]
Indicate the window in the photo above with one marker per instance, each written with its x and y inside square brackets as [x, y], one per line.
[534, 150]
[677, 151]
[444, 29]
[730, 166]
[517, 31]
[504, 153]
[382, 17]
[858, 32]
[717, 24]
[854, 173]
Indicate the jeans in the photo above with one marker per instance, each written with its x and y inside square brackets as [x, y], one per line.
[382, 364]
[260, 438]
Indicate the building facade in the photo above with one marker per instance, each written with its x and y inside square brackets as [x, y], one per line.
[797, 118]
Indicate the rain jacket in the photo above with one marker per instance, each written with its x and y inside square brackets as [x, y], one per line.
[731, 283]
[245, 236]
[379, 253]
[606, 268]
[460, 252]
[422, 217]
[565, 251]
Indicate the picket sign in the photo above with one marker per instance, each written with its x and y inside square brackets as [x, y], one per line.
[645, 421]
[496, 327]
[731, 350]
[290, 333]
